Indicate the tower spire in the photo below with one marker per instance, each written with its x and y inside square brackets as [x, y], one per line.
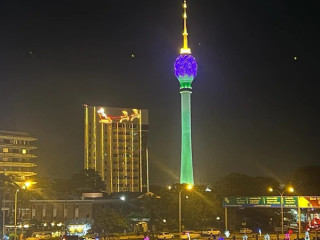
[185, 49]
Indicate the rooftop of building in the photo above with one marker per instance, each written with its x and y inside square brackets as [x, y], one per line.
[23, 135]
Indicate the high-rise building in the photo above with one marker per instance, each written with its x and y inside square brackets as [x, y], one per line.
[185, 70]
[115, 145]
[16, 155]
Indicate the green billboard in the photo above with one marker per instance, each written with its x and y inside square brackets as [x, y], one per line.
[261, 201]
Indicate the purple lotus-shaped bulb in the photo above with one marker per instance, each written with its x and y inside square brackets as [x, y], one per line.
[185, 66]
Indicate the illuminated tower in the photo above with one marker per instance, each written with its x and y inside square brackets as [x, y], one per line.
[185, 68]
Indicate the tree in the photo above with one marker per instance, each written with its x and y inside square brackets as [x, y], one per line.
[151, 207]
[109, 221]
[236, 184]
[87, 180]
[6, 183]
[305, 180]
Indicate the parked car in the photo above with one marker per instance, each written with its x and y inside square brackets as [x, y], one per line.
[245, 230]
[165, 235]
[191, 234]
[211, 232]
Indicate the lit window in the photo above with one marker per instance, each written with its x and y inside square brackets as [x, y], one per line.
[24, 151]
[5, 150]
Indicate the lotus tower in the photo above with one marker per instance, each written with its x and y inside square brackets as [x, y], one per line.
[185, 68]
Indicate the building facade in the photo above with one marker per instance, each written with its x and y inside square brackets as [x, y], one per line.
[115, 145]
[17, 159]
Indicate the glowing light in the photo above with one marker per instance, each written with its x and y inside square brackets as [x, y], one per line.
[218, 218]
[306, 236]
[123, 198]
[26, 226]
[104, 118]
[164, 220]
[135, 114]
[186, 66]
[189, 187]
[270, 189]
[186, 172]
[124, 117]
[227, 233]
[185, 49]
[208, 189]
[78, 230]
[267, 237]
[59, 224]
[290, 189]
[169, 187]
[287, 236]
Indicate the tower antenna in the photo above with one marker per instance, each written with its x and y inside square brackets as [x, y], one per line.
[185, 49]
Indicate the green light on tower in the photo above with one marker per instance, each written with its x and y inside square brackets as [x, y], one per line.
[186, 70]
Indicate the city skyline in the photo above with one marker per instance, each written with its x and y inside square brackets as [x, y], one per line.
[258, 99]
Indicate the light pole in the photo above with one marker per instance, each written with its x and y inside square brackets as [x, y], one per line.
[288, 189]
[122, 199]
[189, 187]
[15, 213]
[25, 186]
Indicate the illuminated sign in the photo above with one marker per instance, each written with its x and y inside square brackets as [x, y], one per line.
[106, 118]
[78, 229]
[261, 201]
[309, 202]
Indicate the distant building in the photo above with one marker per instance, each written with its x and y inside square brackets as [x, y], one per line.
[16, 155]
[60, 210]
[115, 145]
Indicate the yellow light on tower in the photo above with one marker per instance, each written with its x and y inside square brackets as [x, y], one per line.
[270, 189]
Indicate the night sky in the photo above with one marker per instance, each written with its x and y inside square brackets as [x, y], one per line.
[255, 107]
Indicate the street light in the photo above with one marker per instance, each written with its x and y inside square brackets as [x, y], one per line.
[122, 199]
[26, 185]
[189, 187]
[15, 213]
[288, 189]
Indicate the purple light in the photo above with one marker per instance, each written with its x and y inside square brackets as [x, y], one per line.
[185, 65]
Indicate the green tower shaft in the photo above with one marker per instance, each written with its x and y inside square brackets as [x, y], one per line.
[186, 174]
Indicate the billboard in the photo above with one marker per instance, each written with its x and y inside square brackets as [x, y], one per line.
[261, 201]
[309, 202]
